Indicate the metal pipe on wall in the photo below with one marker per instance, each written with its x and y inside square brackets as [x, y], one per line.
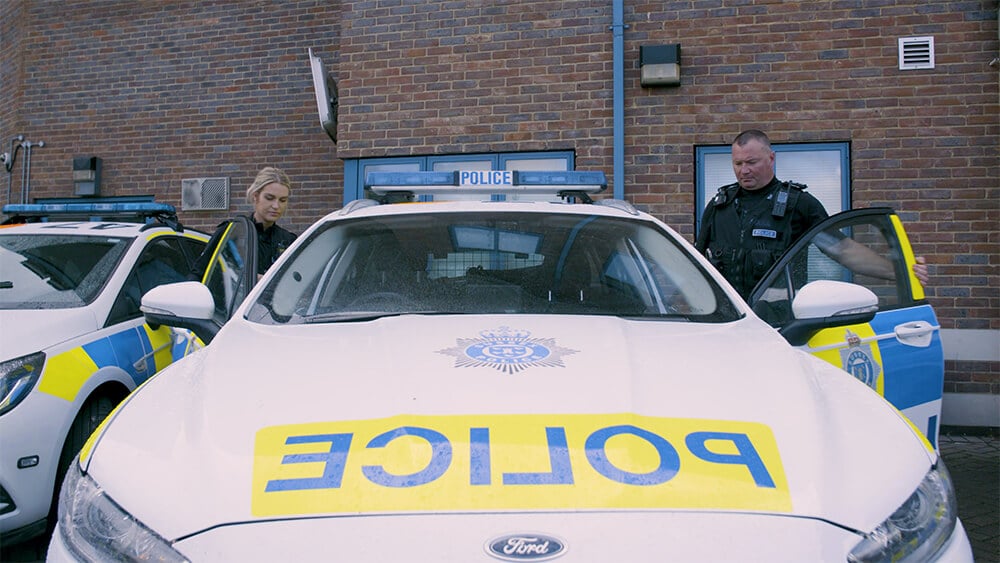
[26, 187]
[8, 162]
[618, 28]
[25, 167]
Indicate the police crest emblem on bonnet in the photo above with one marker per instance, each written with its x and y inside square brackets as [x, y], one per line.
[525, 547]
[508, 350]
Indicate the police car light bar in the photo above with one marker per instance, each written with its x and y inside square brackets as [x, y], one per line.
[487, 182]
[102, 210]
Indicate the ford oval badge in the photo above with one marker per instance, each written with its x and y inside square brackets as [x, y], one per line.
[525, 547]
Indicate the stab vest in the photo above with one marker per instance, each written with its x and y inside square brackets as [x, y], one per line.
[743, 239]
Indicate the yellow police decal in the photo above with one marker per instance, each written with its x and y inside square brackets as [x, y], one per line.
[66, 373]
[516, 462]
[161, 340]
[916, 288]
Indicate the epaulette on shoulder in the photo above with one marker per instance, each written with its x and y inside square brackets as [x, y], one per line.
[796, 185]
[725, 194]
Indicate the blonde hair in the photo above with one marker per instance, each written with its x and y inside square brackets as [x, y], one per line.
[268, 175]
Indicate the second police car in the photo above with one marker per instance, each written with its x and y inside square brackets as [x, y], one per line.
[74, 342]
[515, 380]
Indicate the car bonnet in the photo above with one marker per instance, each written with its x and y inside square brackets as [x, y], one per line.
[470, 414]
[28, 331]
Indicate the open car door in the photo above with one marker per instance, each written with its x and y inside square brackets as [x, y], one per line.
[203, 308]
[898, 353]
[232, 270]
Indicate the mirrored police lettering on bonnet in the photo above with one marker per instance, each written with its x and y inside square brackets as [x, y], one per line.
[751, 222]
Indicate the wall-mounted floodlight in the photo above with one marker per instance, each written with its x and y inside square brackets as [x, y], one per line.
[326, 96]
[660, 65]
[87, 176]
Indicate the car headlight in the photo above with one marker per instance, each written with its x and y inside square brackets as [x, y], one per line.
[95, 528]
[919, 528]
[17, 378]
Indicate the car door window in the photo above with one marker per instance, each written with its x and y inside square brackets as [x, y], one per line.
[192, 249]
[232, 269]
[162, 261]
[859, 248]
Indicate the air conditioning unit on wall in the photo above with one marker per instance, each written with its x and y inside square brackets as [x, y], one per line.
[204, 194]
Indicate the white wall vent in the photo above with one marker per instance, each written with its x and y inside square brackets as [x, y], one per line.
[916, 53]
[203, 194]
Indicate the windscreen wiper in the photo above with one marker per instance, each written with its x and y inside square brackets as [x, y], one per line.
[359, 316]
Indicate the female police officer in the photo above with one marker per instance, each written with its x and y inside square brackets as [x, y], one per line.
[269, 195]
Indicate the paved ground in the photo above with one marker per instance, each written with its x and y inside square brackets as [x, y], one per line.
[972, 457]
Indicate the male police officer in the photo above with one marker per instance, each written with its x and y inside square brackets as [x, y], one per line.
[750, 223]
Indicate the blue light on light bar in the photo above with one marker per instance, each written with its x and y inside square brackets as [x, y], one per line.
[412, 179]
[565, 178]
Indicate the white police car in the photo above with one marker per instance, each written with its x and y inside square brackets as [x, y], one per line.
[74, 342]
[504, 380]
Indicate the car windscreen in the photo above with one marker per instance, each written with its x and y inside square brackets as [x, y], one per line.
[494, 263]
[56, 271]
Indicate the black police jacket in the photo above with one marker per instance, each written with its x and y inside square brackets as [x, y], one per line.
[743, 233]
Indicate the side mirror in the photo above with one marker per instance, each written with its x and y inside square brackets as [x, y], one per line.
[182, 305]
[828, 304]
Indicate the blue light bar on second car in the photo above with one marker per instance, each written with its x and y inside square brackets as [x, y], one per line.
[106, 210]
[487, 182]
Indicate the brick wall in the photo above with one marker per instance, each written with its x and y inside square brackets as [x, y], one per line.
[11, 32]
[163, 91]
[436, 78]
[170, 90]
[972, 377]
[439, 78]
